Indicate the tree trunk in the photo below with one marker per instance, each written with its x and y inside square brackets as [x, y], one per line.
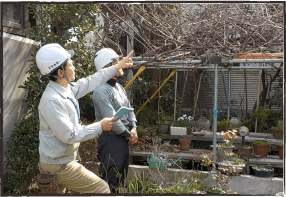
[265, 86]
[155, 81]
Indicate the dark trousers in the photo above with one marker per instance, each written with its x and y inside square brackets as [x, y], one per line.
[113, 153]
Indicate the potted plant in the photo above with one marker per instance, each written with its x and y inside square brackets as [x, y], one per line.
[223, 125]
[185, 143]
[225, 149]
[280, 149]
[163, 121]
[263, 171]
[203, 122]
[278, 130]
[231, 167]
[181, 123]
[261, 147]
[244, 151]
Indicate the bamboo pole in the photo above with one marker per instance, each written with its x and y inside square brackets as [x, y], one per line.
[197, 96]
[175, 103]
[183, 93]
[172, 73]
[134, 77]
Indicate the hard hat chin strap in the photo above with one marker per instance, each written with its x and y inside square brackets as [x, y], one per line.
[65, 76]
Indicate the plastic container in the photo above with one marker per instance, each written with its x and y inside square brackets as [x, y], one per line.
[261, 173]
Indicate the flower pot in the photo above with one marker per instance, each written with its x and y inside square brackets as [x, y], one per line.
[228, 167]
[185, 144]
[203, 123]
[261, 173]
[280, 150]
[162, 127]
[222, 128]
[244, 151]
[261, 149]
[224, 152]
[277, 132]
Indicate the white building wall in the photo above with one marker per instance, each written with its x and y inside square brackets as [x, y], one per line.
[16, 53]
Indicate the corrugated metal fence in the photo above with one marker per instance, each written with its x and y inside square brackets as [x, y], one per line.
[238, 93]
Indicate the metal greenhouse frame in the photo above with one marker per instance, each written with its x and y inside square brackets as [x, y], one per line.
[181, 64]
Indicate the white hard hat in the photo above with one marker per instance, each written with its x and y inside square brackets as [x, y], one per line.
[104, 57]
[52, 56]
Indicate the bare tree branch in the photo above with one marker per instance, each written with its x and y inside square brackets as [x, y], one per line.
[180, 31]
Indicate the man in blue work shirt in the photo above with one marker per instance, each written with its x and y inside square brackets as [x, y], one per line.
[113, 148]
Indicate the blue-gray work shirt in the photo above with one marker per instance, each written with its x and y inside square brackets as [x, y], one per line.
[107, 100]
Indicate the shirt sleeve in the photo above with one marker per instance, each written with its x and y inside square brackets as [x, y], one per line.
[88, 84]
[131, 116]
[58, 119]
[126, 134]
[105, 106]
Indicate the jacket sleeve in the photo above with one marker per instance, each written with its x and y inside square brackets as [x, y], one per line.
[58, 119]
[88, 84]
[103, 102]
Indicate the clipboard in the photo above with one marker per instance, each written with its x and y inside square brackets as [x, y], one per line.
[122, 111]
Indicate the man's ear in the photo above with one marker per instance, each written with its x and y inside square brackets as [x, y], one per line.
[60, 72]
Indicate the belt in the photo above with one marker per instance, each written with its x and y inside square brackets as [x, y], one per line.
[112, 132]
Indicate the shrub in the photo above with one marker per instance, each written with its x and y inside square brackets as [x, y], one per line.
[22, 155]
[56, 26]
[147, 117]
[279, 125]
[262, 115]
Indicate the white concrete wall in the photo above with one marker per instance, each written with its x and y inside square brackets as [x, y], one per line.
[242, 184]
[16, 53]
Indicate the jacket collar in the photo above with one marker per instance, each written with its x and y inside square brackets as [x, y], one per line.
[111, 82]
[64, 92]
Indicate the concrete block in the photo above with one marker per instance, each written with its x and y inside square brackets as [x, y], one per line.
[178, 131]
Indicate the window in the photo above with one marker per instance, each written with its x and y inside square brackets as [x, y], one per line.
[15, 18]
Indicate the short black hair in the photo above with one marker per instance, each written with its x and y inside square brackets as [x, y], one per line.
[55, 72]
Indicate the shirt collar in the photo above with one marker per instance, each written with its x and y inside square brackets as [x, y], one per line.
[111, 82]
[64, 92]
